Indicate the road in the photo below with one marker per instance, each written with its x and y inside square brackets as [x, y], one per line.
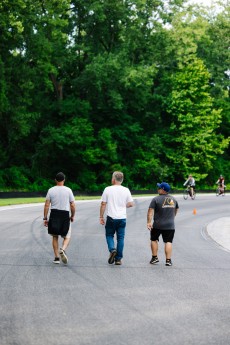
[90, 302]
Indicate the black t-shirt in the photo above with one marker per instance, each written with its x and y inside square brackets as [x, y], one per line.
[164, 206]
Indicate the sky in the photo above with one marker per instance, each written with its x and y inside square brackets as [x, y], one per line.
[204, 2]
[207, 2]
[201, 2]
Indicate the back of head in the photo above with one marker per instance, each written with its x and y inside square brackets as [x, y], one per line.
[118, 176]
[163, 186]
[60, 177]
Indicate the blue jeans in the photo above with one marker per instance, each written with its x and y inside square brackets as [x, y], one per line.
[112, 227]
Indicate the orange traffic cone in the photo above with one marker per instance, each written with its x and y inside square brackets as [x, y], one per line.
[194, 211]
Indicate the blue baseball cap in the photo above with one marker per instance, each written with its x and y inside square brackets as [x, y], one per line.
[163, 185]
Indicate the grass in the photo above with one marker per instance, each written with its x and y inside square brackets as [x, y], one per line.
[19, 201]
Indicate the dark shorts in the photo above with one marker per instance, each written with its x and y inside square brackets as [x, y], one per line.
[59, 223]
[167, 235]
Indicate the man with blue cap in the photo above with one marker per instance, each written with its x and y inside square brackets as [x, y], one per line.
[160, 221]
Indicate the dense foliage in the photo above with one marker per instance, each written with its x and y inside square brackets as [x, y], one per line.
[89, 87]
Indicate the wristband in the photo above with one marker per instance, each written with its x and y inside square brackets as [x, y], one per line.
[45, 218]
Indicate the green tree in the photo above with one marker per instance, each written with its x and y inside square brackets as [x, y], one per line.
[195, 142]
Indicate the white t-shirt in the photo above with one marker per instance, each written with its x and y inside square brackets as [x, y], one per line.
[116, 197]
[60, 197]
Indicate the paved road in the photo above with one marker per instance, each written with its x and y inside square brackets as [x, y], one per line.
[91, 302]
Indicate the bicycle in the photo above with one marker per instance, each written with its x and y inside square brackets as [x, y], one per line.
[220, 191]
[187, 192]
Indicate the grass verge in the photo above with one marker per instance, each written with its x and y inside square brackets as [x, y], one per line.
[19, 201]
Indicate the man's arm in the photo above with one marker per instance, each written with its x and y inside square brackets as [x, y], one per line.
[46, 210]
[130, 204]
[102, 211]
[73, 210]
[149, 218]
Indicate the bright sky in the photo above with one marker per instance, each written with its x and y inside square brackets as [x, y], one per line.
[207, 2]
[202, 2]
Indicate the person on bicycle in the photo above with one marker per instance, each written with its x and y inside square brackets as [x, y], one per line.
[190, 183]
[221, 185]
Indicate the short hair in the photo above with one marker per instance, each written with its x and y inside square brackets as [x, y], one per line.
[60, 177]
[118, 176]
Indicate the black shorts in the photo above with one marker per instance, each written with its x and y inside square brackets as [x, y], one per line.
[167, 235]
[59, 223]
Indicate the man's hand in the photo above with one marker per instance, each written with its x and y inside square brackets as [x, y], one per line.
[130, 204]
[102, 221]
[149, 218]
[149, 226]
[102, 211]
[46, 222]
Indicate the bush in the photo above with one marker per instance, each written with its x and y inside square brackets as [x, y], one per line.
[14, 178]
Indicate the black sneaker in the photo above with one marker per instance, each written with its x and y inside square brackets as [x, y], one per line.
[154, 260]
[168, 262]
[111, 260]
[63, 256]
[56, 261]
[118, 262]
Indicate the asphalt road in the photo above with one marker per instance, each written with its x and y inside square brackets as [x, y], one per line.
[90, 302]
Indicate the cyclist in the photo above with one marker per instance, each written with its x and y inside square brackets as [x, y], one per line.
[190, 183]
[221, 185]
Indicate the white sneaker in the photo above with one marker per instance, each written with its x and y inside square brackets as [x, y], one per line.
[63, 256]
[168, 262]
[56, 261]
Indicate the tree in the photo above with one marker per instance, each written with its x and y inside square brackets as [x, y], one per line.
[195, 122]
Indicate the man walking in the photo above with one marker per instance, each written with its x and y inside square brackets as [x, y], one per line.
[162, 210]
[117, 198]
[62, 202]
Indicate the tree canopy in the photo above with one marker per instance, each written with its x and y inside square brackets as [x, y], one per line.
[89, 87]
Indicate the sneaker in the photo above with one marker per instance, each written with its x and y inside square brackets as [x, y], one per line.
[63, 256]
[154, 260]
[168, 262]
[112, 257]
[56, 261]
[118, 262]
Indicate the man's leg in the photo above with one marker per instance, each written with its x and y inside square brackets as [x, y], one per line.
[65, 243]
[120, 230]
[55, 246]
[191, 190]
[154, 238]
[168, 236]
[168, 250]
[109, 233]
[154, 248]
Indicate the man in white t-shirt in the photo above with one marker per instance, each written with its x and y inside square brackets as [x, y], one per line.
[117, 198]
[62, 202]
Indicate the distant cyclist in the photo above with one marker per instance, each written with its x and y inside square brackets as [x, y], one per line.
[221, 185]
[191, 184]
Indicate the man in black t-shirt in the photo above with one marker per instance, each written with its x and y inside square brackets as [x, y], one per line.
[162, 210]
